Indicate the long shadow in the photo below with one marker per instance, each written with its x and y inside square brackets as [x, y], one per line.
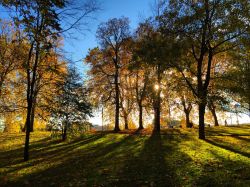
[232, 131]
[218, 174]
[44, 149]
[227, 148]
[150, 167]
[242, 138]
[73, 162]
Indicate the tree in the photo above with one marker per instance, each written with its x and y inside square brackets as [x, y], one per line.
[157, 52]
[126, 95]
[71, 106]
[208, 29]
[141, 84]
[112, 35]
[11, 52]
[40, 22]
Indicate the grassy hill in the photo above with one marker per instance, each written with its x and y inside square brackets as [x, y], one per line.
[130, 158]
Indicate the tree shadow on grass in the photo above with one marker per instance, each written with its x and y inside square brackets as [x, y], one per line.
[223, 171]
[45, 149]
[243, 138]
[76, 163]
[114, 160]
[150, 167]
[227, 147]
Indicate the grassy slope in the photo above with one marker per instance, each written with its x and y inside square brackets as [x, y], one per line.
[175, 158]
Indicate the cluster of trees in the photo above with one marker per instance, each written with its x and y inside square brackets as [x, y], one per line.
[37, 83]
[191, 55]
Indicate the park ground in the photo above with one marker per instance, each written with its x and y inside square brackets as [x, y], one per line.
[176, 157]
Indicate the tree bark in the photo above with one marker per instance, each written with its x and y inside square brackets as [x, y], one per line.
[32, 117]
[212, 109]
[157, 104]
[140, 117]
[27, 136]
[188, 124]
[64, 134]
[202, 107]
[117, 104]
[126, 122]
[157, 124]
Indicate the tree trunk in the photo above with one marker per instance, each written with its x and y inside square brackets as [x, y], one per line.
[64, 133]
[188, 124]
[157, 104]
[157, 124]
[140, 117]
[32, 117]
[212, 109]
[126, 122]
[202, 107]
[157, 113]
[27, 137]
[117, 104]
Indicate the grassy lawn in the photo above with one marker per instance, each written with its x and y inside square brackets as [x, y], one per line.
[174, 158]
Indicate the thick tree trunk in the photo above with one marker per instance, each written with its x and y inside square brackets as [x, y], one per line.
[157, 124]
[202, 107]
[140, 117]
[157, 113]
[117, 104]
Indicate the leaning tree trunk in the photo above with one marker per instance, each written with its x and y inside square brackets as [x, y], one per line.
[212, 109]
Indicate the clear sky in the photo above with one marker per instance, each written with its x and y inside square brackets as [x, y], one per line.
[135, 10]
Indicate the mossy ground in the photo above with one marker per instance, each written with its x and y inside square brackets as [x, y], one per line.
[174, 158]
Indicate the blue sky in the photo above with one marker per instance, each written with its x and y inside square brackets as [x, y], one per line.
[135, 10]
[76, 49]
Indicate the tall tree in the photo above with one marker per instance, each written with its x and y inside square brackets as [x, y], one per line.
[40, 21]
[209, 28]
[157, 52]
[112, 35]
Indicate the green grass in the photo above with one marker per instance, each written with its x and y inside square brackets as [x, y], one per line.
[174, 158]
